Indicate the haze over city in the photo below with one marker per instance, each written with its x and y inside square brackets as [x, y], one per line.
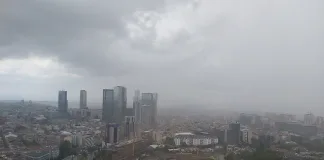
[264, 55]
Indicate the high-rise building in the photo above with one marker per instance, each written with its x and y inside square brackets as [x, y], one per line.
[62, 101]
[137, 106]
[234, 133]
[83, 99]
[309, 119]
[149, 110]
[155, 99]
[108, 106]
[129, 129]
[120, 103]
[112, 133]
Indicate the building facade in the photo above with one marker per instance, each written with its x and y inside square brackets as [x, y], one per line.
[108, 106]
[149, 110]
[62, 101]
[129, 129]
[246, 136]
[83, 99]
[190, 139]
[120, 103]
[137, 106]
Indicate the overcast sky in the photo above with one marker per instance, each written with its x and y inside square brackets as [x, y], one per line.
[266, 54]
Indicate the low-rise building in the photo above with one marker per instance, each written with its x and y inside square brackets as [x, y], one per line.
[247, 136]
[191, 139]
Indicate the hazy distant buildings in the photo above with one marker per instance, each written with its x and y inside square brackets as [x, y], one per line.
[309, 119]
[246, 119]
[246, 136]
[280, 117]
[83, 99]
[298, 128]
[120, 103]
[62, 101]
[108, 106]
[149, 110]
[190, 139]
[319, 121]
[137, 106]
[155, 99]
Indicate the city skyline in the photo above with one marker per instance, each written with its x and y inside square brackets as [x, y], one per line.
[161, 79]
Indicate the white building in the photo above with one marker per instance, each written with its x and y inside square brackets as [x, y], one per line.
[77, 140]
[66, 136]
[247, 136]
[204, 140]
[191, 139]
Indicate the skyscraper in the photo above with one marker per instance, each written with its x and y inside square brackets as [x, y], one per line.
[309, 119]
[108, 106]
[149, 110]
[83, 99]
[62, 101]
[137, 106]
[120, 103]
[155, 99]
[234, 134]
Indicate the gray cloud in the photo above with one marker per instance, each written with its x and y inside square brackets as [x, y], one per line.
[213, 53]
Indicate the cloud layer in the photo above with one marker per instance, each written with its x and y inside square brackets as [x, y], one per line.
[251, 54]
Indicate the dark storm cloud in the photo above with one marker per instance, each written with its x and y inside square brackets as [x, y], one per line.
[258, 53]
[78, 32]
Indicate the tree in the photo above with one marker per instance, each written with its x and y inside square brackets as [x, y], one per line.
[84, 155]
[230, 156]
[183, 144]
[261, 155]
[103, 155]
[169, 141]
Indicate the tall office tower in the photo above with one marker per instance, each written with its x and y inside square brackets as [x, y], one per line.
[112, 133]
[235, 129]
[83, 99]
[120, 103]
[108, 106]
[137, 106]
[155, 99]
[129, 130]
[309, 119]
[149, 105]
[62, 101]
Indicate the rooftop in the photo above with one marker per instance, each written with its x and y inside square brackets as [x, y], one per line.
[184, 134]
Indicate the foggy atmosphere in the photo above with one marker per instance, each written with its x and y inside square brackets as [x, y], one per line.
[161, 80]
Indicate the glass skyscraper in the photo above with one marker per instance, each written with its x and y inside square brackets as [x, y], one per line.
[120, 103]
[137, 106]
[83, 99]
[108, 106]
[62, 101]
